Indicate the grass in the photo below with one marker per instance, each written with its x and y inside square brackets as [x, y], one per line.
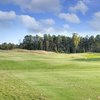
[39, 75]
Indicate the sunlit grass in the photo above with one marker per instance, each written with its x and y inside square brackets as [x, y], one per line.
[40, 75]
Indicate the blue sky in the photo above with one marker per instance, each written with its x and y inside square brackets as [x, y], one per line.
[21, 17]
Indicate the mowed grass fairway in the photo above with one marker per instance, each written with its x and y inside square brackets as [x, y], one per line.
[39, 75]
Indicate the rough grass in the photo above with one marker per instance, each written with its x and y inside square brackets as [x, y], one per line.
[39, 75]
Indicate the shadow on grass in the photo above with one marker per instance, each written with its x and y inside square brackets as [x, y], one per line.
[87, 59]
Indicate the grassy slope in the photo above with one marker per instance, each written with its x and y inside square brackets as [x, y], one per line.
[49, 76]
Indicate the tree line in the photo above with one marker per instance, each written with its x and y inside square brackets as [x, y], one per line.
[62, 44]
[7, 46]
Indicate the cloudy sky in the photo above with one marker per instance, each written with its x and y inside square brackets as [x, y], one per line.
[21, 17]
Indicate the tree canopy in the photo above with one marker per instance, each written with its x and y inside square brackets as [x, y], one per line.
[61, 43]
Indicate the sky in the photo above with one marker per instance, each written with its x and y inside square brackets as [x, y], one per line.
[59, 17]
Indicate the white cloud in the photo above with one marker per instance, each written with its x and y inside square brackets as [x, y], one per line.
[49, 30]
[7, 19]
[53, 31]
[45, 5]
[48, 22]
[66, 26]
[56, 31]
[30, 23]
[95, 22]
[36, 5]
[70, 17]
[80, 6]
[7, 15]
[35, 26]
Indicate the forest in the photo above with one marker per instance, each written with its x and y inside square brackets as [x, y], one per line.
[59, 43]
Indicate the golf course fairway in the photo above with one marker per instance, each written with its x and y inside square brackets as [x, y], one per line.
[41, 75]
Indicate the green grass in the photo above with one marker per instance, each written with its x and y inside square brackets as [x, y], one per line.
[49, 76]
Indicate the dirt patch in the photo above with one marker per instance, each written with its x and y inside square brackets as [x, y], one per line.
[33, 51]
